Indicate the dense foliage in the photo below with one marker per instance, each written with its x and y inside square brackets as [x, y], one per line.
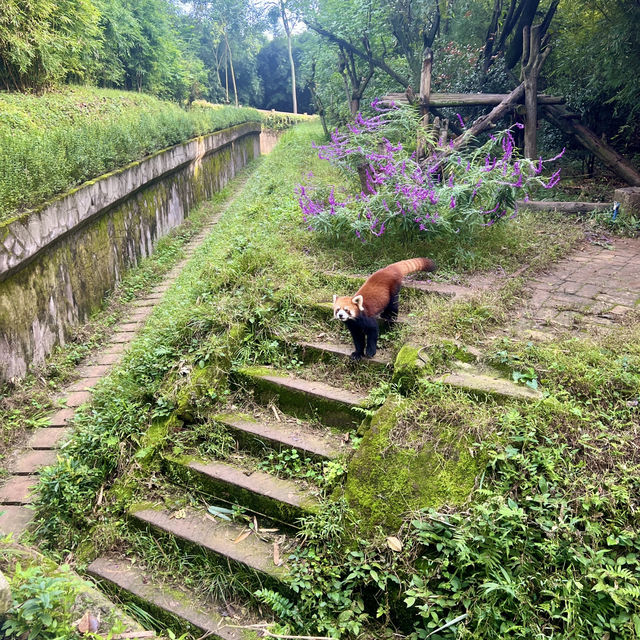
[53, 142]
[343, 54]
[449, 191]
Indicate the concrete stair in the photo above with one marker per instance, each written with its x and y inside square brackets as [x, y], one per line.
[257, 491]
[312, 351]
[222, 540]
[258, 435]
[333, 406]
[132, 582]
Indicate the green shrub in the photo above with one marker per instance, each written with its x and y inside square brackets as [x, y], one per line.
[53, 142]
[42, 604]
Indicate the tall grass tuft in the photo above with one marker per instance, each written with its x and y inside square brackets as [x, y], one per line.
[53, 142]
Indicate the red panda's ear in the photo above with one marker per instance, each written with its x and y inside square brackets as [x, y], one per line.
[335, 297]
[358, 300]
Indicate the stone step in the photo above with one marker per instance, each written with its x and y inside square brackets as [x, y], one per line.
[256, 435]
[312, 351]
[332, 406]
[134, 583]
[475, 380]
[220, 539]
[15, 519]
[257, 491]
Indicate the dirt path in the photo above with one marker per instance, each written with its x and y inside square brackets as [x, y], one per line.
[43, 443]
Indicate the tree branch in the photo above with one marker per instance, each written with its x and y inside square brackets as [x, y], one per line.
[377, 62]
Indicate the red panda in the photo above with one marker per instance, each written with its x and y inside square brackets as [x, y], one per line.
[377, 297]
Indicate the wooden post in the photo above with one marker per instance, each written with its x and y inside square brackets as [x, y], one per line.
[425, 93]
[532, 61]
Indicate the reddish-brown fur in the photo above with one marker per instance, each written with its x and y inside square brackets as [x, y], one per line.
[382, 285]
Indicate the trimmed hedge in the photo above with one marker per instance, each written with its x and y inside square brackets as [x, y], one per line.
[50, 143]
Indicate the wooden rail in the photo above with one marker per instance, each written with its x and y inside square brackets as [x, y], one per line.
[467, 99]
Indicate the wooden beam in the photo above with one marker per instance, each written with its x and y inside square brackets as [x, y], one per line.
[487, 121]
[559, 116]
[564, 207]
[468, 99]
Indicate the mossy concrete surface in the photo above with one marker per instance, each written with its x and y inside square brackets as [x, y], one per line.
[386, 481]
[332, 406]
[60, 284]
[168, 604]
[260, 492]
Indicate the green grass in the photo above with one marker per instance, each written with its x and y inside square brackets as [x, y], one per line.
[58, 140]
[27, 403]
[546, 542]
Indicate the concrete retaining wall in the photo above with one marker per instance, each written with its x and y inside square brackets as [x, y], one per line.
[57, 264]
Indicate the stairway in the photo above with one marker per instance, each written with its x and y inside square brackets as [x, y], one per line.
[244, 517]
[311, 418]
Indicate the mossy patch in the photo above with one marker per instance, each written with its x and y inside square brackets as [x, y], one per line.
[385, 481]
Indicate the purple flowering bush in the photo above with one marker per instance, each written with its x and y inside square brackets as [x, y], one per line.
[391, 192]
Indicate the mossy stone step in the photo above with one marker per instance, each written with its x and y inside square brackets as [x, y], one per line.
[132, 583]
[258, 491]
[256, 435]
[471, 379]
[331, 405]
[317, 350]
[219, 539]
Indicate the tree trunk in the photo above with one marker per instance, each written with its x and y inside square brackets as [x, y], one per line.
[425, 94]
[532, 60]
[285, 23]
[233, 73]
[606, 154]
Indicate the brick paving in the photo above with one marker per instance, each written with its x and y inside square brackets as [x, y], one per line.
[594, 286]
[43, 443]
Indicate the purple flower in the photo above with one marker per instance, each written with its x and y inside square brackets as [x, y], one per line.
[452, 203]
[461, 121]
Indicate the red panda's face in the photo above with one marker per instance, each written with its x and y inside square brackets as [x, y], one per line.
[346, 308]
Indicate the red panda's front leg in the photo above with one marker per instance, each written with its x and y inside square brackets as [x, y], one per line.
[357, 333]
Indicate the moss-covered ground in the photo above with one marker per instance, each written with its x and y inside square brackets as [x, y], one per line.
[516, 520]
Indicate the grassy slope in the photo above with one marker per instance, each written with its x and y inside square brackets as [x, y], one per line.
[52, 142]
[548, 545]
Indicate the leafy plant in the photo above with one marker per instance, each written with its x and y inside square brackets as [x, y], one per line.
[451, 192]
[41, 604]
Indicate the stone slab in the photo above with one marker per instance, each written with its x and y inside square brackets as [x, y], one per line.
[122, 337]
[259, 491]
[107, 359]
[216, 537]
[16, 490]
[115, 349]
[283, 437]
[135, 581]
[78, 398]
[488, 385]
[84, 384]
[61, 418]
[15, 519]
[48, 438]
[94, 371]
[343, 351]
[30, 462]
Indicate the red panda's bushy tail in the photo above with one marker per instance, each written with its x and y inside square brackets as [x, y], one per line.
[415, 264]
